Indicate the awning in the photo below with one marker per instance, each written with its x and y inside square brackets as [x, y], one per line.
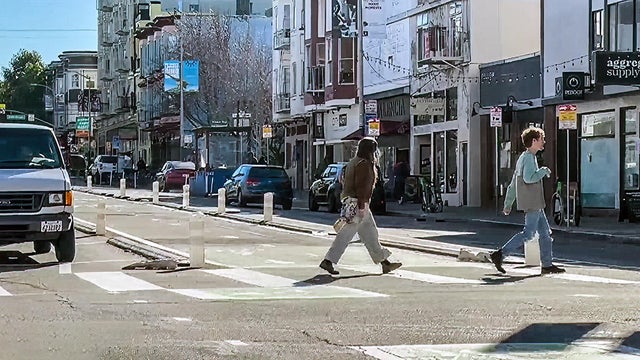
[354, 136]
[388, 127]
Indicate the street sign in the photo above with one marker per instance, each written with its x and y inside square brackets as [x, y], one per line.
[31, 118]
[374, 127]
[243, 115]
[188, 139]
[567, 117]
[496, 117]
[115, 143]
[16, 117]
[267, 132]
[82, 123]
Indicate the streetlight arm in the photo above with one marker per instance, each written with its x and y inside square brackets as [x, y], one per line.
[44, 86]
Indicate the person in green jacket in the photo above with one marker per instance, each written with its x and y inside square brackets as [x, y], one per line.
[526, 188]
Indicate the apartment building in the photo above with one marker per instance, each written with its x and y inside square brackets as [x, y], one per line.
[76, 99]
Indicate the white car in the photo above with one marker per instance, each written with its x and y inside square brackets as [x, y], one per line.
[36, 201]
[103, 167]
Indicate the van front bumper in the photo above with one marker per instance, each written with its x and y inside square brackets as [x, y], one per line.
[21, 228]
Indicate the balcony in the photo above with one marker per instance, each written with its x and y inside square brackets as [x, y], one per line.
[283, 102]
[315, 79]
[439, 45]
[282, 39]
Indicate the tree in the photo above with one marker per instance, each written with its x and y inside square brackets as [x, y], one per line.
[26, 68]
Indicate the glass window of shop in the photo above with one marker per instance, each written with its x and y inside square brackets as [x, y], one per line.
[630, 154]
[598, 150]
[433, 108]
[446, 163]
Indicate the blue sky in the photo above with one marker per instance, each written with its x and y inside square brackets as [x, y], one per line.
[26, 18]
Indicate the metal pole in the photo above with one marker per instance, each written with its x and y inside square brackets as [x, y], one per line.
[360, 66]
[181, 152]
[497, 174]
[567, 207]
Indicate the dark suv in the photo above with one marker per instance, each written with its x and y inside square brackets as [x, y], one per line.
[249, 183]
[327, 188]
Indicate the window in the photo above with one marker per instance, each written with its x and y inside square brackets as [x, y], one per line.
[621, 26]
[194, 7]
[286, 19]
[631, 156]
[441, 32]
[446, 160]
[294, 73]
[452, 104]
[346, 74]
[75, 81]
[598, 124]
[598, 30]
[320, 55]
[284, 85]
[329, 68]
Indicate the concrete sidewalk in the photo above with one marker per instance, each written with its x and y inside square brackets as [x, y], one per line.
[606, 227]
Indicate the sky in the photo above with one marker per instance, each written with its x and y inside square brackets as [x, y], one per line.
[47, 26]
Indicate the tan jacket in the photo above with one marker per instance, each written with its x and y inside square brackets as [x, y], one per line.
[359, 180]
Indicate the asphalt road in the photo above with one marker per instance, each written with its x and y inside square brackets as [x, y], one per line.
[263, 297]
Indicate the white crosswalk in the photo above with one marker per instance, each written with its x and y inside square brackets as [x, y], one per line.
[238, 283]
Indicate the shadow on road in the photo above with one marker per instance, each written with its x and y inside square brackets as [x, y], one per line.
[499, 279]
[12, 260]
[325, 279]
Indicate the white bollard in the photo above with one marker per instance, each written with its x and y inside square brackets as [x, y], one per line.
[185, 195]
[156, 192]
[268, 206]
[222, 200]
[196, 239]
[101, 220]
[89, 182]
[532, 252]
[123, 187]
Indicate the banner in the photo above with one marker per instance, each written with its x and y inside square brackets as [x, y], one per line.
[344, 18]
[191, 79]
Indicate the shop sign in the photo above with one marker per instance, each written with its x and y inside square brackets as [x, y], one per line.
[374, 127]
[267, 132]
[496, 117]
[568, 117]
[617, 68]
[573, 85]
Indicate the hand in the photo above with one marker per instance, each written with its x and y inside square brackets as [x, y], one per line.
[506, 211]
[547, 170]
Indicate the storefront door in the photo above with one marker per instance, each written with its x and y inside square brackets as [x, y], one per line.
[599, 154]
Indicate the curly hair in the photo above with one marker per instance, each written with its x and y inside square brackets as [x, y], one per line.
[529, 134]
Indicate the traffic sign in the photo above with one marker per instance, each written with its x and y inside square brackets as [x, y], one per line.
[82, 123]
[17, 117]
[374, 127]
[267, 132]
[567, 117]
[496, 117]
[243, 115]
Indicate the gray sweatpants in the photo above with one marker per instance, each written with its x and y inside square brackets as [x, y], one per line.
[368, 233]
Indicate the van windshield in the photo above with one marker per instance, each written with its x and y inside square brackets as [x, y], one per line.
[28, 149]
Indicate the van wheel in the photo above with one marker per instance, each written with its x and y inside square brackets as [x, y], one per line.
[313, 204]
[333, 204]
[41, 247]
[242, 202]
[66, 246]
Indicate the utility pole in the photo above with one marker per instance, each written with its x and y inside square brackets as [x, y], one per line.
[360, 71]
[182, 157]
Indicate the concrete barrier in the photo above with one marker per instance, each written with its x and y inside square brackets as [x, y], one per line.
[156, 192]
[101, 220]
[268, 207]
[123, 187]
[196, 240]
[222, 200]
[185, 195]
[89, 182]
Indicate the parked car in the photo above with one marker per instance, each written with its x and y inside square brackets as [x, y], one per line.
[77, 165]
[249, 183]
[102, 168]
[327, 188]
[175, 174]
[36, 201]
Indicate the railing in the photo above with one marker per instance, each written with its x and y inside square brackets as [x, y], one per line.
[283, 102]
[282, 39]
[315, 79]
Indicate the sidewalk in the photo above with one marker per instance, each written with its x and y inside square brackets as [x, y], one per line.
[606, 227]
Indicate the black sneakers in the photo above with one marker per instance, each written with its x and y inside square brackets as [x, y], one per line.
[388, 267]
[328, 266]
[552, 270]
[496, 259]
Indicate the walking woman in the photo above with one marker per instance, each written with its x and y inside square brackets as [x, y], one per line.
[359, 181]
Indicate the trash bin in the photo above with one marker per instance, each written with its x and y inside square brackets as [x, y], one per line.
[198, 184]
[219, 178]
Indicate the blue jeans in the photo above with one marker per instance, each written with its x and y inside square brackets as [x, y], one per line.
[534, 221]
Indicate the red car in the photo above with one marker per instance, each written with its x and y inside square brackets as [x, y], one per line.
[175, 174]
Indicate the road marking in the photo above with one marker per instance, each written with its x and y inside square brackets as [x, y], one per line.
[116, 281]
[4, 292]
[303, 292]
[182, 319]
[236, 343]
[577, 277]
[513, 351]
[414, 275]
[586, 295]
[230, 237]
[252, 277]
[280, 262]
[64, 268]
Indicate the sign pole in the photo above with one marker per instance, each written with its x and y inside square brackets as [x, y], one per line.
[568, 207]
[568, 120]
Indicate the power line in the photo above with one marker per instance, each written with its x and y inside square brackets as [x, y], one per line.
[48, 30]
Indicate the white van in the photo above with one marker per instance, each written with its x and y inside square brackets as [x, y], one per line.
[36, 202]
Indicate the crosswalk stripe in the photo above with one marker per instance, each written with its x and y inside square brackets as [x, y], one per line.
[417, 276]
[116, 281]
[577, 277]
[277, 293]
[252, 277]
[4, 292]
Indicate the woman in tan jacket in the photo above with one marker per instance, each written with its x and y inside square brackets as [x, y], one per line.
[359, 181]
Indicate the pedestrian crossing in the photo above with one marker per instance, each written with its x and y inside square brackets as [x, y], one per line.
[303, 280]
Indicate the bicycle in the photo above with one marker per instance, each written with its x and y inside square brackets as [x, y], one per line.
[559, 199]
[431, 199]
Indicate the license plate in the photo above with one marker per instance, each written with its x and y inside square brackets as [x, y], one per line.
[50, 226]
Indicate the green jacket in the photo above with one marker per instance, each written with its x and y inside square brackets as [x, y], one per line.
[527, 167]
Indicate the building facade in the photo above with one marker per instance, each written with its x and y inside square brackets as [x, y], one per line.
[76, 99]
